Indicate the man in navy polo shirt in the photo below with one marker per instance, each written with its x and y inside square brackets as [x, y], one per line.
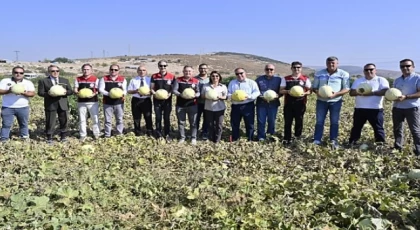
[243, 109]
[267, 110]
[407, 106]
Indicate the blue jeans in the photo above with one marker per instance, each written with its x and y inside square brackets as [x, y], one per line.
[247, 112]
[266, 114]
[8, 115]
[322, 108]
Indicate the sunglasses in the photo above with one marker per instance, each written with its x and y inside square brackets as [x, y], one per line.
[405, 66]
[113, 69]
[369, 69]
[241, 73]
[296, 67]
[268, 69]
[54, 71]
[214, 76]
[163, 65]
[21, 73]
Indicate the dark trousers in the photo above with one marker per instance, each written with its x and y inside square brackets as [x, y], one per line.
[413, 119]
[375, 117]
[201, 111]
[50, 119]
[215, 124]
[247, 112]
[142, 107]
[163, 108]
[293, 111]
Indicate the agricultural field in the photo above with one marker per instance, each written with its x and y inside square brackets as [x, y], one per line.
[131, 182]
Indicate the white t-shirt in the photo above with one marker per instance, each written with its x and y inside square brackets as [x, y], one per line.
[12, 100]
[370, 102]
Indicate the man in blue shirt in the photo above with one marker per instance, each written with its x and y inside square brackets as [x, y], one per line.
[243, 109]
[407, 106]
[338, 79]
[267, 110]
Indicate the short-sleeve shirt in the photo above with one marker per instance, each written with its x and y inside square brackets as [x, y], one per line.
[12, 100]
[370, 102]
[338, 81]
[408, 85]
[135, 83]
[211, 105]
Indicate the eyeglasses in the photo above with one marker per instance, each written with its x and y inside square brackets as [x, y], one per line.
[369, 70]
[163, 65]
[405, 66]
[113, 69]
[54, 71]
[214, 76]
[296, 67]
[241, 73]
[268, 69]
[21, 73]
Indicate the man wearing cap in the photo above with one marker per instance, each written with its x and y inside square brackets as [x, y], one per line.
[15, 105]
[141, 105]
[338, 79]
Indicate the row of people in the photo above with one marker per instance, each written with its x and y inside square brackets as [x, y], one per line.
[368, 107]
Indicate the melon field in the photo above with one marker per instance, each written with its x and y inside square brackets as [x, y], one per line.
[130, 182]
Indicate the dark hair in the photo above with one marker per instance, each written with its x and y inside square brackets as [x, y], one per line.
[332, 58]
[160, 62]
[369, 64]
[114, 65]
[202, 64]
[87, 64]
[50, 66]
[296, 63]
[215, 72]
[187, 66]
[18, 67]
[404, 60]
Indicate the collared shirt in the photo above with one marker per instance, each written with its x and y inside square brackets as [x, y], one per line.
[370, 102]
[102, 84]
[248, 85]
[408, 85]
[54, 80]
[212, 105]
[12, 100]
[202, 82]
[338, 81]
[264, 84]
[135, 84]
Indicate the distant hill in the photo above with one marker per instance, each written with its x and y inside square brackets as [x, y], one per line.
[357, 70]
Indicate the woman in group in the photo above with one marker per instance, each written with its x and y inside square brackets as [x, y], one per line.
[214, 108]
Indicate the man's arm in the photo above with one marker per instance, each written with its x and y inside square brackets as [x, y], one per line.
[197, 90]
[41, 88]
[102, 87]
[175, 88]
[255, 91]
[69, 91]
[30, 90]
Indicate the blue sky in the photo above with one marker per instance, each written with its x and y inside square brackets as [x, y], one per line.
[356, 31]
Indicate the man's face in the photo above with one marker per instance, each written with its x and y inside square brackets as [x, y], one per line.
[188, 72]
[407, 67]
[240, 74]
[296, 69]
[54, 71]
[369, 71]
[18, 74]
[162, 67]
[142, 71]
[114, 70]
[87, 70]
[203, 70]
[269, 70]
[332, 65]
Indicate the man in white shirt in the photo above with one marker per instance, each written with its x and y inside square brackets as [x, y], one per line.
[369, 105]
[141, 104]
[15, 105]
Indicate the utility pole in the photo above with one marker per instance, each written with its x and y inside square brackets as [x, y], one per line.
[17, 55]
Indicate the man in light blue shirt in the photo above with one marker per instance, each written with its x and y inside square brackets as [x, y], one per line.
[243, 109]
[338, 79]
[407, 106]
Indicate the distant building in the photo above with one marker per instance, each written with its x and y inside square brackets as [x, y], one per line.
[3, 61]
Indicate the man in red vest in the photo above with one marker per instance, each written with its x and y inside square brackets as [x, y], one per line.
[91, 104]
[294, 107]
[113, 106]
